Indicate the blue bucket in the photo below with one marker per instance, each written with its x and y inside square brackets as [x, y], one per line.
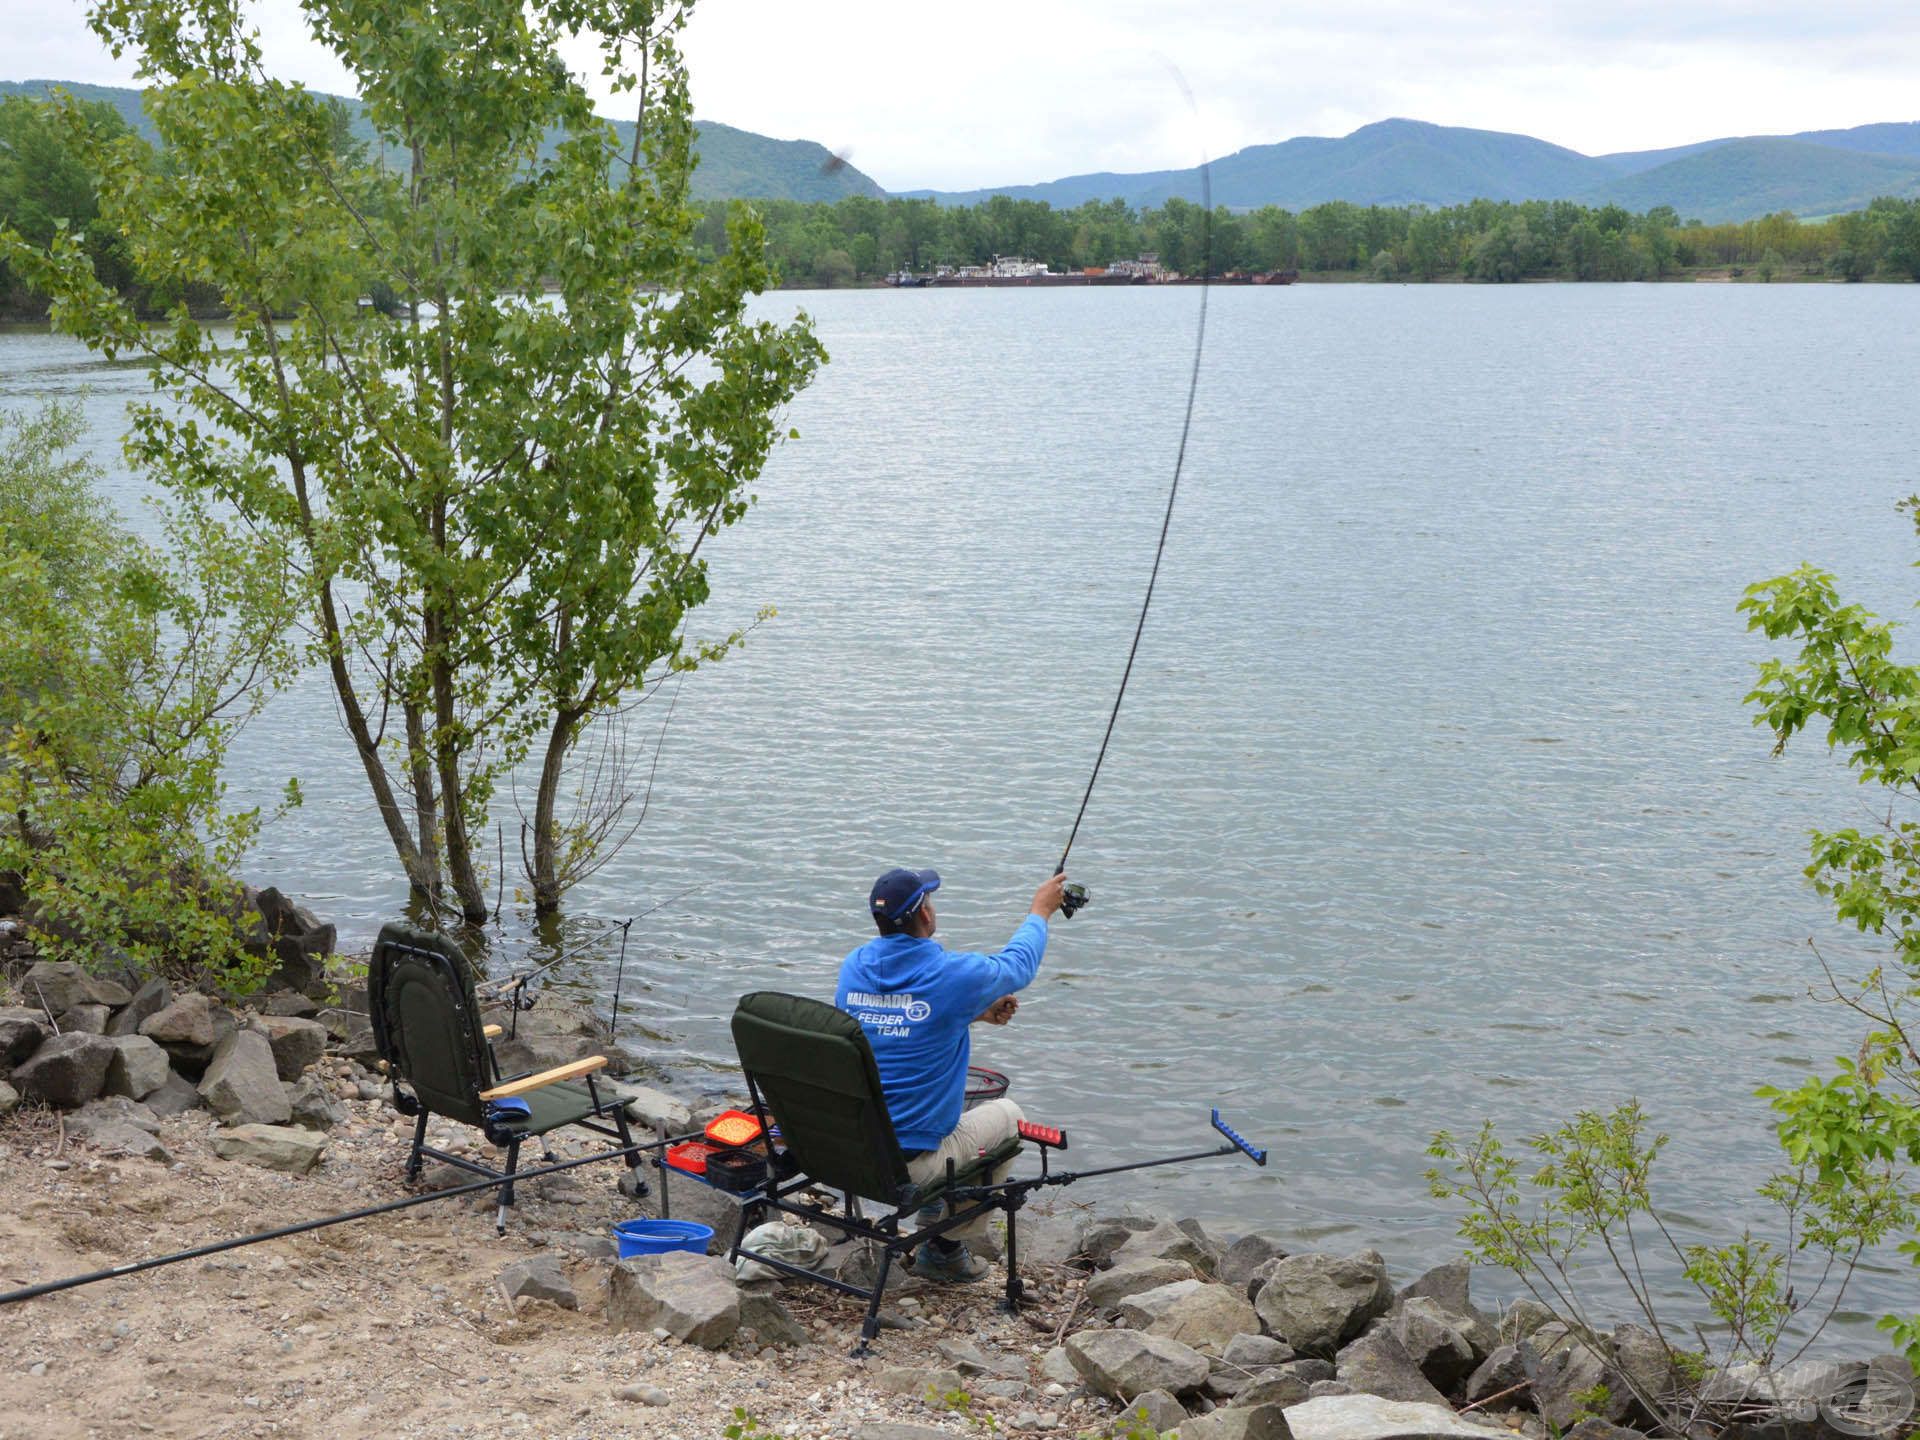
[657, 1237]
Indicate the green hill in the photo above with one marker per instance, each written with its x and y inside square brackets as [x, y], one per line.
[733, 162]
[1746, 178]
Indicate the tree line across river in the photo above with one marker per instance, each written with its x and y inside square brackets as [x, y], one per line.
[862, 239]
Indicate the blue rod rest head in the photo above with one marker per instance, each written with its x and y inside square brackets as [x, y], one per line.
[1253, 1152]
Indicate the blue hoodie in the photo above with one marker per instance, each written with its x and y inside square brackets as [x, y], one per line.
[915, 999]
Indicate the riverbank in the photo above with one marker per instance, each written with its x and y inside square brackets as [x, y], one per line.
[202, 1121]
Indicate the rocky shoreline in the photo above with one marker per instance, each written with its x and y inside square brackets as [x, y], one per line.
[135, 1121]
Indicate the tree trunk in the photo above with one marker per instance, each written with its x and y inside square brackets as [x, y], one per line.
[546, 840]
[426, 802]
[446, 751]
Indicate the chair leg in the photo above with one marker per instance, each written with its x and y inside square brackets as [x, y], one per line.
[636, 1185]
[506, 1190]
[419, 1140]
[870, 1327]
[1014, 1286]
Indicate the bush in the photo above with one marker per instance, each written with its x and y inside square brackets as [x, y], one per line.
[123, 676]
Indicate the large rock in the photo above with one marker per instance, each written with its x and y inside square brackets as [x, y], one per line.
[138, 1067]
[190, 1029]
[556, 1032]
[1274, 1387]
[60, 985]
[1646, 1371]
[1157, 1410]
[1447, 1285]
[311, 1104]
[21, 1031]
[1436, 1340]
[1316, 1303]
[1257, 1422]
[289, 1002]
[540, 1277]
[9, 1099]
[702, 1204]
[1124, 1363]
[119, 1126]
[274, 1147]
[1568, 1381]
[1107, 1288]
[691, 1297]
[351, 1035]
[1378, 1364]
[1246, 1255]
[1499, 1374]
[1170, 1241]
[1521, 1320]
[1367, 1417]
[87, 1019]
[296, 1043]
[149, 1000]
[1209, 1319]
[1143, 1307]
[656, 1109]
[66, 1070]
[770, 1321]
[242, 1086]
[1103, 1235]
[176, 1096]
[1256, 1352]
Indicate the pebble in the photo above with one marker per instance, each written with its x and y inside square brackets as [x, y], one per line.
[643, 1395]
[37, 1369]
[59, 1164]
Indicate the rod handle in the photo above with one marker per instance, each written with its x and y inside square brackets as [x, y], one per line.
[1253, 1152]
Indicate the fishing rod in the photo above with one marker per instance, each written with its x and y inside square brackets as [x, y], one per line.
[1073, 897]
[494, 988]
[115, 1272]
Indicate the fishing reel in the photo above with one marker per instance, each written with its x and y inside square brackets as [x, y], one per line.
[1072, 897]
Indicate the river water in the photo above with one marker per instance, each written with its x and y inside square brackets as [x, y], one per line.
[1433, 798]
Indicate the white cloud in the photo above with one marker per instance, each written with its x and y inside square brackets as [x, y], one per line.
[938, 96]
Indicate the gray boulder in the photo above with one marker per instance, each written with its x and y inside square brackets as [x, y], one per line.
[273, 1147]
[702, 1204]
[770, 1321]
[1436, 1340]
[1121, 1364]
[927, 1383]
[557, 1033]
[1143, 1307]
[295, 1043]
[1567, 1381]
[1592, 1429]
[1257, 1422]
[1107, 1288]
[351, 1036]
[1255, 1352]
[67, 1070]
[149, 1000]
[9, 1099]
[1168, 1241]
[1102, 1236]
[311, 1104]
[1646, 1370]
[189, 1030]
[1498, 1374]
[242, 1085]
[290, 1002]
[540, 1277]
[1274, 1387]
[1246, 1255]
[1445, 1284]
[1209, 1319]
[87, 1019]
[1157, 1410]
[1378, 1364]
[176, 1096]
[1521, 1319]
[1368, 1417]
[138, 1067]
[59, 985]
[119, 1126]
[1316, 1303]
[21, 1031]
[655, 1109]
[691, 1297]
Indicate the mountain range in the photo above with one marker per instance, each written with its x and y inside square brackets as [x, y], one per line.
[1409, 162]
[1391, 162]
[732, 162]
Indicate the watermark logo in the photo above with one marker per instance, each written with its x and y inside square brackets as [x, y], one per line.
[1870, 1402]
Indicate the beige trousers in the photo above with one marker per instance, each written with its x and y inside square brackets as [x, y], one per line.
[980, 1128]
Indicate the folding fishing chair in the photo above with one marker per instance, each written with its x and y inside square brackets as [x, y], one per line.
[810, 1070]
[428, 1031]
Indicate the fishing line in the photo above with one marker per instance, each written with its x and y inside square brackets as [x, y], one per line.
[1076, 895]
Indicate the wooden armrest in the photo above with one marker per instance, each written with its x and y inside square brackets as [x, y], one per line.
[546, 1077]
[492, 1032]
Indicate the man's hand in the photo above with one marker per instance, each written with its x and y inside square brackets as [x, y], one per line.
[1046, 899]
[1001, 1011]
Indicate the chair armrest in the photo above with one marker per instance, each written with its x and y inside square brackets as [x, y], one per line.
[546, 1077]
[492, 1032]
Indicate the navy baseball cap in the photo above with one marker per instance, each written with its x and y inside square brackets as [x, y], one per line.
[898, 893]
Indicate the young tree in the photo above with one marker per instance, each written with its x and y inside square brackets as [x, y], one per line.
[497, 487]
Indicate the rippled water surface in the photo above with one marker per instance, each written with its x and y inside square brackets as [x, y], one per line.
[1433, 798]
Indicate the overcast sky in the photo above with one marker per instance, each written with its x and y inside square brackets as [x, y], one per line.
[920, 95]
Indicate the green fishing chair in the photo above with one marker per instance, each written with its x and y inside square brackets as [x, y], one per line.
[434, 1046]
[810, 1070]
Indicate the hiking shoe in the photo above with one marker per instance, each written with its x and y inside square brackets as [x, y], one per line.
[956, 1265]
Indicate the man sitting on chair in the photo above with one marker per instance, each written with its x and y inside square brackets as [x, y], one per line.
[915, 999]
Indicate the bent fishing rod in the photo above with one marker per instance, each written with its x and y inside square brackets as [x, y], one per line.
[1073, 897]
[475, 1187]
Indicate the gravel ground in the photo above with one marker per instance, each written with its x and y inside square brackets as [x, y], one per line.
[396, 1326]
